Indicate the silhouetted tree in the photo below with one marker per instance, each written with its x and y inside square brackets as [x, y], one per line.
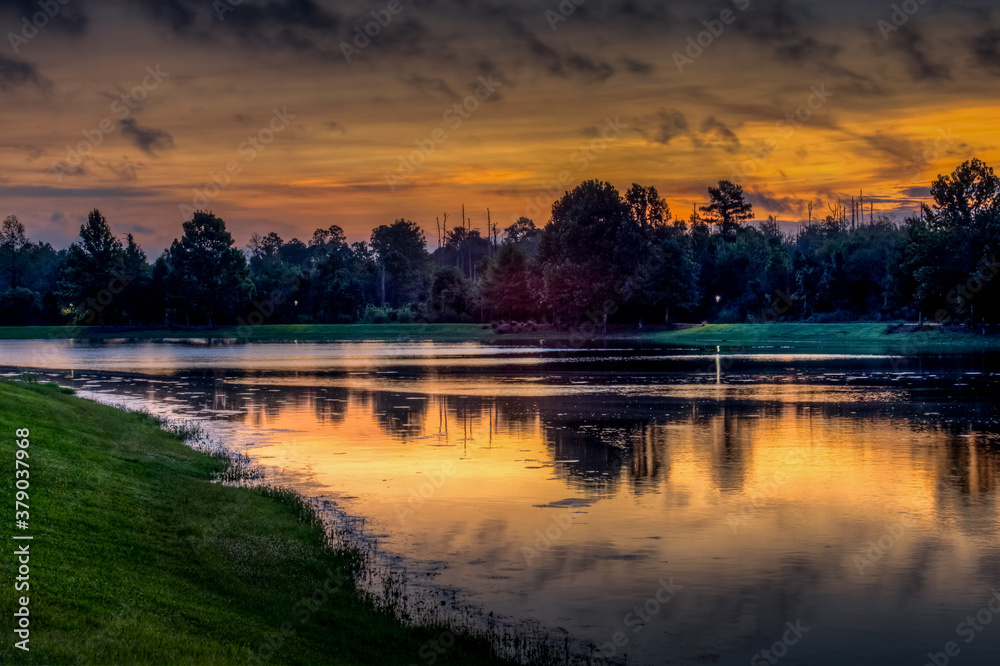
[209, 277]
[91, 275]
[403, 262]
[728, 209]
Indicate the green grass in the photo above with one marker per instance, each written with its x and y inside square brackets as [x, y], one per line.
[138, 558]
[857, 336]
[869, 337]
[265, 333]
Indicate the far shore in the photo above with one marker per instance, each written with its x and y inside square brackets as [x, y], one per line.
[860, 337]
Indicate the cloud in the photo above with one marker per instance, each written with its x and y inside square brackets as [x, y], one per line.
[637, 66]
[288, 25]
[18, 73]
[985, 49]
[70, 18]
[766, 201]
[914, 46]
[563, 62]
[429, 84]
[47, 192]
[147, 139]
[712, 128]
[669, 125]
[126, 170]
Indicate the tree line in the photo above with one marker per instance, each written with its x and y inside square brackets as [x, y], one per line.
[604, 257]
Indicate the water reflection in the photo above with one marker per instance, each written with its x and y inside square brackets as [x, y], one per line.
[850, 495]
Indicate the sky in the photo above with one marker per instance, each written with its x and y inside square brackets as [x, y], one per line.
[289, 115]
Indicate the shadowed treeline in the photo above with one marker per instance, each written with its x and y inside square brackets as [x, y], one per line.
[603, 257]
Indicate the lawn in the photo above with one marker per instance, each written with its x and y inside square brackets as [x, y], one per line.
[138, 557]
[857, 337]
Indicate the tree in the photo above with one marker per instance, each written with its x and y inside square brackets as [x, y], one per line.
[403, 262]
[728, 209]
[523, 229]
[950, 257]
[971, 192]
[340, 276]
[13, 247]
[208, 276]
[648, 208]
[137, 276]
[92, 273]
[506, 288]
[452, 297]
[589, 249]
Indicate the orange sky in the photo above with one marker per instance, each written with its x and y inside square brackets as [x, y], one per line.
[599, 96]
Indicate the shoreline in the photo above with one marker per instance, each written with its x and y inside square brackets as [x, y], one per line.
[870, 337]
[143, 556]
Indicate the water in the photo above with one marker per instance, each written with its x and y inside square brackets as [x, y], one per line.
[690, 507]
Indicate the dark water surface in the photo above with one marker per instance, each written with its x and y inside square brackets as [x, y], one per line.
[691, 507]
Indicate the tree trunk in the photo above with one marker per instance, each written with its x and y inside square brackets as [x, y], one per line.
[383, 283]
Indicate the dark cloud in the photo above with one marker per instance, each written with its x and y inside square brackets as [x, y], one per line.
[769, 21]
[47, 192]
[897, 147]
[648, 13]
[767, 201]
[824, 56]
[147, 139]
[560, 62]
[70, 18]
[985, 49]
[914, 49]
[18, 73]
[429, 85]
[669, 125]
[126, 170]
[716, 131]
[279, 25]
[638, 67]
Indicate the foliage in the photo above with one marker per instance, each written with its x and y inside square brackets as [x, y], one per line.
[602, 258]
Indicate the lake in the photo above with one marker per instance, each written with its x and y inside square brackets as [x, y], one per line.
[675, 506]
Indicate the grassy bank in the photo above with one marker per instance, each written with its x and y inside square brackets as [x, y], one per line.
[264, 333]
[138, 558]
[860, 336]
